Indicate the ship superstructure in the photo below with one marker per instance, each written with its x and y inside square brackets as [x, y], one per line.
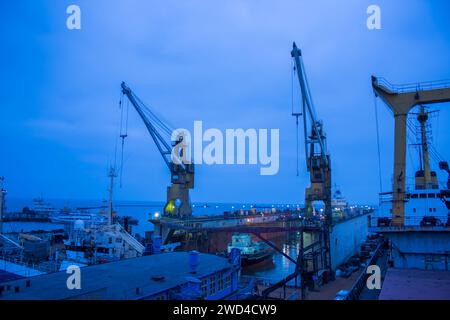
[415, 219]
[103, 239]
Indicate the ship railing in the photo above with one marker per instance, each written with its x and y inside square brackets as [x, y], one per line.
[412, 87]
[385, 222]
[17, 260]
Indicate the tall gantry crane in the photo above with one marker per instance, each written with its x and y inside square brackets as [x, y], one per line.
[174, 155]
[317, 158]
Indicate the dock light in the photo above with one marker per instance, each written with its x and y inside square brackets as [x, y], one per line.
[156, 215]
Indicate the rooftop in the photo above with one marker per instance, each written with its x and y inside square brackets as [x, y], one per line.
[118, 280]
[415, 284]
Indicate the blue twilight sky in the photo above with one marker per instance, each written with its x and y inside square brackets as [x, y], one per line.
[226, 63]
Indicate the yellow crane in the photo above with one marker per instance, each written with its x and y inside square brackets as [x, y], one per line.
[401, 99]
[317, 158]
[182, 172]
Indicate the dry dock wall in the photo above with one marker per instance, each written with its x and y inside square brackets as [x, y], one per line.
[346, 238]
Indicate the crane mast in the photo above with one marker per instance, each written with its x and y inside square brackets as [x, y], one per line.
[182, 171]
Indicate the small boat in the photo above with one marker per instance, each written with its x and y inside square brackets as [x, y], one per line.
[252, 252]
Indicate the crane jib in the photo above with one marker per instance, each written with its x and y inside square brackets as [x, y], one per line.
[163, 146]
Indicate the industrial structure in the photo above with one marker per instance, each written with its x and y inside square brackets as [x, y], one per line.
[416, 224]
[317, 158]
[401, 99]
[211, 234]
[181, 169]
[416, 220]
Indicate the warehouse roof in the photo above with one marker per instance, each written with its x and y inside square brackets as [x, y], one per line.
[118, 280]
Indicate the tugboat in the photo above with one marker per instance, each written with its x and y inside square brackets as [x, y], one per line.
[251, 252]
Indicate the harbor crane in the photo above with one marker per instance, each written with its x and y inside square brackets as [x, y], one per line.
[401, 99]
[182, 171]
[317, 158]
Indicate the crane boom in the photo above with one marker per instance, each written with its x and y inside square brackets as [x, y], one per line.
[164, 149]
[317, 136]
[182, 172]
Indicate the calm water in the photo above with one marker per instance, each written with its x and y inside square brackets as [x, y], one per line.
[279, 268]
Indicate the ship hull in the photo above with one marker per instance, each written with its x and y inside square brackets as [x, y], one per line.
[251, 260]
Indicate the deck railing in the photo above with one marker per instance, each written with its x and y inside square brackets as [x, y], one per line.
[411, 222]
[412, 87]
[360, 283]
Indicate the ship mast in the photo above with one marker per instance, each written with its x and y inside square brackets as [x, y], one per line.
[425, 178]
[422, 118]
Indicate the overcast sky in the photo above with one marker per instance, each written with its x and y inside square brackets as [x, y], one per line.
[226, 63]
